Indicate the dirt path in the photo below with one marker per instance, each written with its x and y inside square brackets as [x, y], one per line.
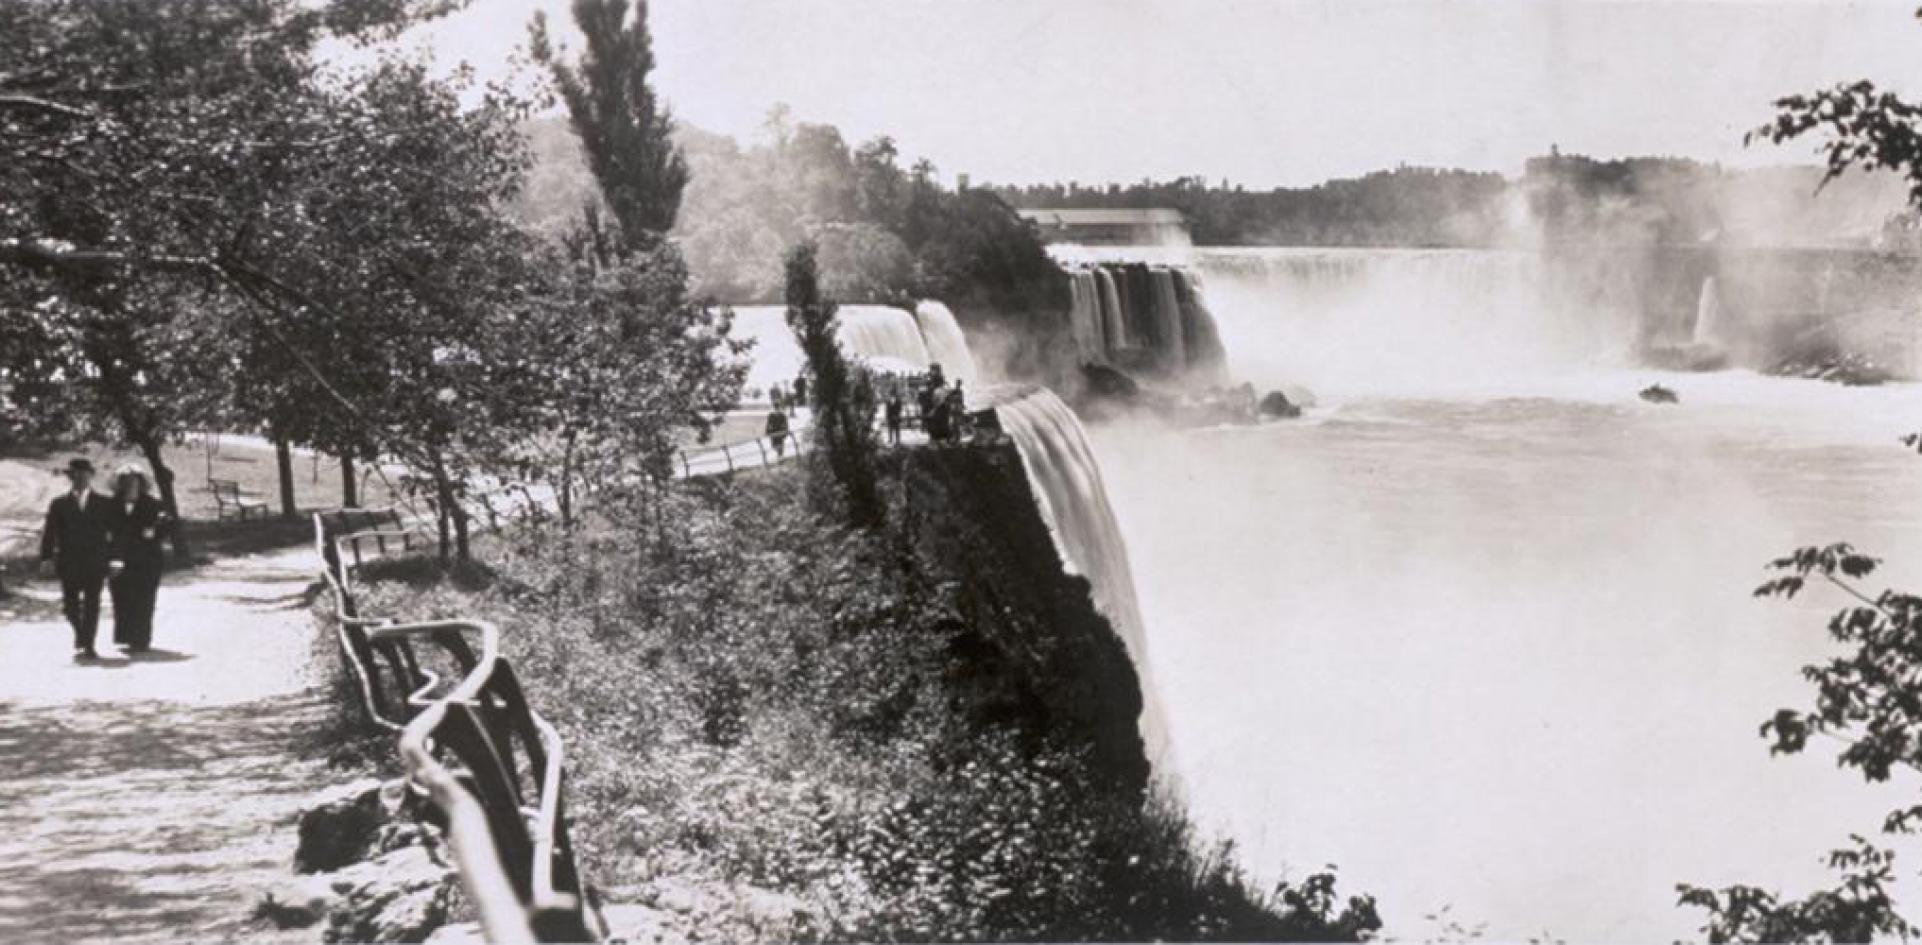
[152, 800]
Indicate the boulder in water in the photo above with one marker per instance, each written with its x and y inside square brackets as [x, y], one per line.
[1276, 405]
[1657, 394]
[1104, 381]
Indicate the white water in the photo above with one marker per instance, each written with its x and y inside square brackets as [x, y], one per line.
[884, 337]
[1708, 315]
[1480, 633]
[946, 345]
[1067, 485]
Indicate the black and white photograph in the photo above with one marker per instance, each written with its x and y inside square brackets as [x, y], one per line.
[960, 471]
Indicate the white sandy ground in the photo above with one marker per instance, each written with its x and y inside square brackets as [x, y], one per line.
[154, 799]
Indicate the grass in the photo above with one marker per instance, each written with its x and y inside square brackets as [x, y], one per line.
[889, 735]
[31, 478]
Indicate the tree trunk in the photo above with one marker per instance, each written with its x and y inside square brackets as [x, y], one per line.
[284, 458]
[567, 482]
[163, 480]
[443, 505]
[462, 551]
[349, 486]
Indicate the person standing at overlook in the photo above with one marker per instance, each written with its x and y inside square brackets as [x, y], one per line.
[894, 417]
[77, 545]
[777, 432]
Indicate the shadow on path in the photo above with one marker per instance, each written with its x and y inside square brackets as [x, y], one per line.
[149, 821]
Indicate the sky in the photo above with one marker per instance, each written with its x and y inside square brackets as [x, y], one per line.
[1260, 92]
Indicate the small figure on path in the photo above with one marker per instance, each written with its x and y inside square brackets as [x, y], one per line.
[801, 389]
[142, 523]
[957, 405]
[777, 432]
[77, 543]
[894, 417]
[924, 402]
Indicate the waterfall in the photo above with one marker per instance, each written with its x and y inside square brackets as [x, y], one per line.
[1148, 318]
[1114, 327]
[884, 337]
[887, 338]
[1169, 331]
[1207, 359]
[1357, 321]
[947, 346]
[1708, 314]
[1066, 482]
[1084, 315]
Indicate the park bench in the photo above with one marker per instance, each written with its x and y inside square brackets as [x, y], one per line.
[229, 501]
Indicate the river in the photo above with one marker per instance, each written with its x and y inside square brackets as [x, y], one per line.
[1482, 634]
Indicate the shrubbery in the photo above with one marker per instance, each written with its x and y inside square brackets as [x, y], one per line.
[754, 697]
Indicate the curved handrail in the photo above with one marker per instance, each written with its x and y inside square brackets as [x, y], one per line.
[486, 689]
[467, 829]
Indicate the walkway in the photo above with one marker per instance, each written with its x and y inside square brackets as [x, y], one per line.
[152, 800]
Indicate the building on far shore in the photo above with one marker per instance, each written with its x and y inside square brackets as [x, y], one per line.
[1110, 226]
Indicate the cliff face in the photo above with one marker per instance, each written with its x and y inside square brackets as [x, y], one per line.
[1031, 647]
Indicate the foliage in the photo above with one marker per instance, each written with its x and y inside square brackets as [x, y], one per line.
[838, 745]
[209, 231]
[1866, 699]
[147, 140]
[842, 398]
[1409, 206]
[625, 130]
[625, 361]
[1859, 910]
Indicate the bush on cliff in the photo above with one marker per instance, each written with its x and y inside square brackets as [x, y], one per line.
[921, 732]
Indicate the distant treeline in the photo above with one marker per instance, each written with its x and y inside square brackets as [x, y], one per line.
[1558, 197]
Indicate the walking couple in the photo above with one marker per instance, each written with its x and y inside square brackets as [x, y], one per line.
[90, 538]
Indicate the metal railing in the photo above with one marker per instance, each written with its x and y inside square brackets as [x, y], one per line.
[463, 746]
[741, 454]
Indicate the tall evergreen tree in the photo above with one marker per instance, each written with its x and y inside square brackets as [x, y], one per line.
[843, 400]
[624, 129]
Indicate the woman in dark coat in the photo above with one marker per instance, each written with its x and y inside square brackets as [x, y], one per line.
[140, 525]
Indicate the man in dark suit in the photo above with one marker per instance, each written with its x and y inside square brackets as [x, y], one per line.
[78, 543]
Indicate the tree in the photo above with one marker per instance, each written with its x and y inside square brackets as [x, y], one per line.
[1869, 697]
[193, 193]
[624, 129]
[843, 398]
[1868, 700]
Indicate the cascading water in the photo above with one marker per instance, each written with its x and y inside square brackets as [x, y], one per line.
[884, 337]
[1349, 321]
[887, 338]
[1147, 318]
[1084, 314]
[1066, 481]
[1114, 324]
[1708, 314]
[1167, 315]
[947, 346]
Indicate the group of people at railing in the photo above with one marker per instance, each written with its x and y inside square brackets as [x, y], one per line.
[928, 401]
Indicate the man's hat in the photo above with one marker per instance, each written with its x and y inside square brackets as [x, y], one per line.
[79, 464]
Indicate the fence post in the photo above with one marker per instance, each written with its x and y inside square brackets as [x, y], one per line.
[727, 453]
[763, 448]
